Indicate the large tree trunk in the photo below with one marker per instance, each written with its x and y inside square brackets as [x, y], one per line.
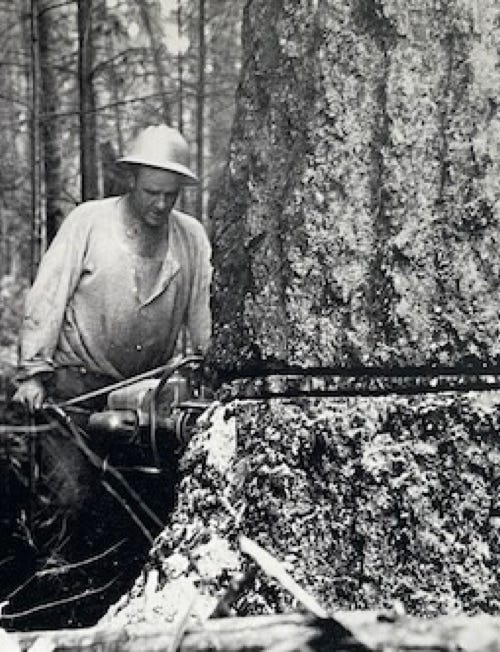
[356, 225]
[357, 222]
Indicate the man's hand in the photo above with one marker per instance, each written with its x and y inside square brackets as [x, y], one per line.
[30, 393]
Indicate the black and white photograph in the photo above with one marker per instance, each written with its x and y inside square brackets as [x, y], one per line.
[250, 325]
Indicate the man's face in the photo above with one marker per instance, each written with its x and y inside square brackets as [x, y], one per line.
[154, 195]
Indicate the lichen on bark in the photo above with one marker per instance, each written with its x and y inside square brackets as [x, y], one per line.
[366, 502]
[358, 218]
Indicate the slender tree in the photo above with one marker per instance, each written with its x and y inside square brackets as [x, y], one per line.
[88, 116]
[112, 75]
[200, 108]
[50, 133]
[180, 85]
[146, 10]
[38, 238]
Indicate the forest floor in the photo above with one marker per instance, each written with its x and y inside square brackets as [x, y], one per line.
[66, 573]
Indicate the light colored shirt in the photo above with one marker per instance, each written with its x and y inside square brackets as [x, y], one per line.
[86, 309]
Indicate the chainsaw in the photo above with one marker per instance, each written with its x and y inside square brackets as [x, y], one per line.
[145, 424]
[145, 419]
[154, 415]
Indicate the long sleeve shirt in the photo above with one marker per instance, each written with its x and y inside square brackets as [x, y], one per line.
[85, 309]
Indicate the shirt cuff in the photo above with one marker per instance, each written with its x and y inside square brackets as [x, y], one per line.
[28, 369]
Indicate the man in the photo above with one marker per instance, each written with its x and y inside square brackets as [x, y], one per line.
[121, 278]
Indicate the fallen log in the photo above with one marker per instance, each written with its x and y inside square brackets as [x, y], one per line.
[354, 630]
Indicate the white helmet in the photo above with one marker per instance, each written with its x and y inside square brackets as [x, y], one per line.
[161, 147]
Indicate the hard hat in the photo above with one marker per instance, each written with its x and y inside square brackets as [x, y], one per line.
[161, 147]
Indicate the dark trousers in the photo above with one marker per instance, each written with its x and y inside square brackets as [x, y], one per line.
[66, 479]
[73, 517]
[71, 496]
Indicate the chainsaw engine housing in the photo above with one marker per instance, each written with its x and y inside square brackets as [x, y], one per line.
[153, 416]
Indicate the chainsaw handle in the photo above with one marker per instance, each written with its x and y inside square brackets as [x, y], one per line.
[150, 400]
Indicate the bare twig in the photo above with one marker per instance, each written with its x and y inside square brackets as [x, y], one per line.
[61, 569]
[141, 51]
[57, 603]
[19, 588]
[6, 560]
[79, 564]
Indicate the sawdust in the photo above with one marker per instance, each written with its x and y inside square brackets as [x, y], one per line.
[189, 578]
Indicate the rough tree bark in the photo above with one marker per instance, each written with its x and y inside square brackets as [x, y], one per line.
[50, 132]
[146, 11]
[38, 231]
[223, 36]
[88, 117]
[113, 78]
[358, 219]
[200, 109]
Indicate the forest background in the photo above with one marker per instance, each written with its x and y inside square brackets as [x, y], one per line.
[77, 80]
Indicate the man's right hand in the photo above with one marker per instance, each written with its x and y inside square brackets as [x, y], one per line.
[30, 393]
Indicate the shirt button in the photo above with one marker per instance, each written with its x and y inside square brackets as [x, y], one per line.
[138, 347]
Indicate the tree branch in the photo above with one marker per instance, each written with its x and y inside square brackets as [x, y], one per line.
[57, 603]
